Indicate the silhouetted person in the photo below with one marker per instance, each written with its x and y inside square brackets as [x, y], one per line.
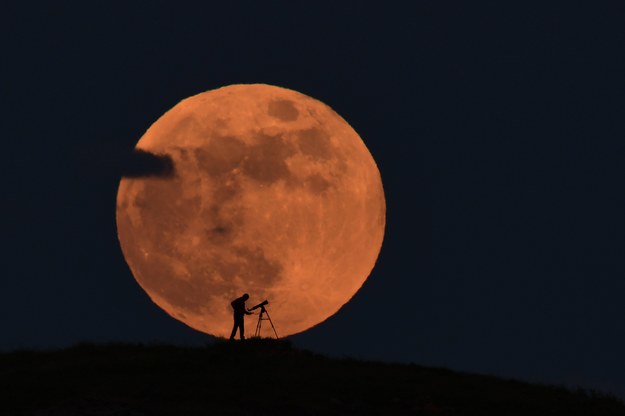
[238, 306]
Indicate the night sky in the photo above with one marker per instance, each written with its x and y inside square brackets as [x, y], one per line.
[498, 130]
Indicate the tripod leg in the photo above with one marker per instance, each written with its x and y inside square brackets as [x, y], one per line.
[274, 328]
[258, 325]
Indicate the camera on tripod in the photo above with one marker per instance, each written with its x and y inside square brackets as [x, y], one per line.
[260, 305]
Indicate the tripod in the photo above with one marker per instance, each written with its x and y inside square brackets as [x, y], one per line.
[262, 318]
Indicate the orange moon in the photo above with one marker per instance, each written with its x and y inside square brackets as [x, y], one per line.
[273, 194]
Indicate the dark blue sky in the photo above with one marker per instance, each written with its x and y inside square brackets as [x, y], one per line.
[498, 131]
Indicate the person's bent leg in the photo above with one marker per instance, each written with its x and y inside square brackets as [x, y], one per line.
[234, 330]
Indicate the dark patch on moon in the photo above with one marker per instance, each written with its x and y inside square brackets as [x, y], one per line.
[266, 159]
[316, 183]
[315, 142]
[183, 154]
[253, 264]
[220, 233]
[211, 276]
[224, 218]
[283, 110]
[220, 229]
[221, 155]
[161, 207]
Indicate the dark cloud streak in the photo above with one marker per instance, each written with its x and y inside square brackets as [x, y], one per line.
[105, 161]
[140, 163]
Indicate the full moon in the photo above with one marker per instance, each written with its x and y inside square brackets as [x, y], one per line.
[273, 194]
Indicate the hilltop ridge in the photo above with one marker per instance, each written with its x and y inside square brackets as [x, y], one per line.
[262, 377]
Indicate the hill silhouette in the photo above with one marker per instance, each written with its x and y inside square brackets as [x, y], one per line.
[262, 377]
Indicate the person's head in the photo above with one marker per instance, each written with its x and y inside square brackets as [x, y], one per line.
[245, 296]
